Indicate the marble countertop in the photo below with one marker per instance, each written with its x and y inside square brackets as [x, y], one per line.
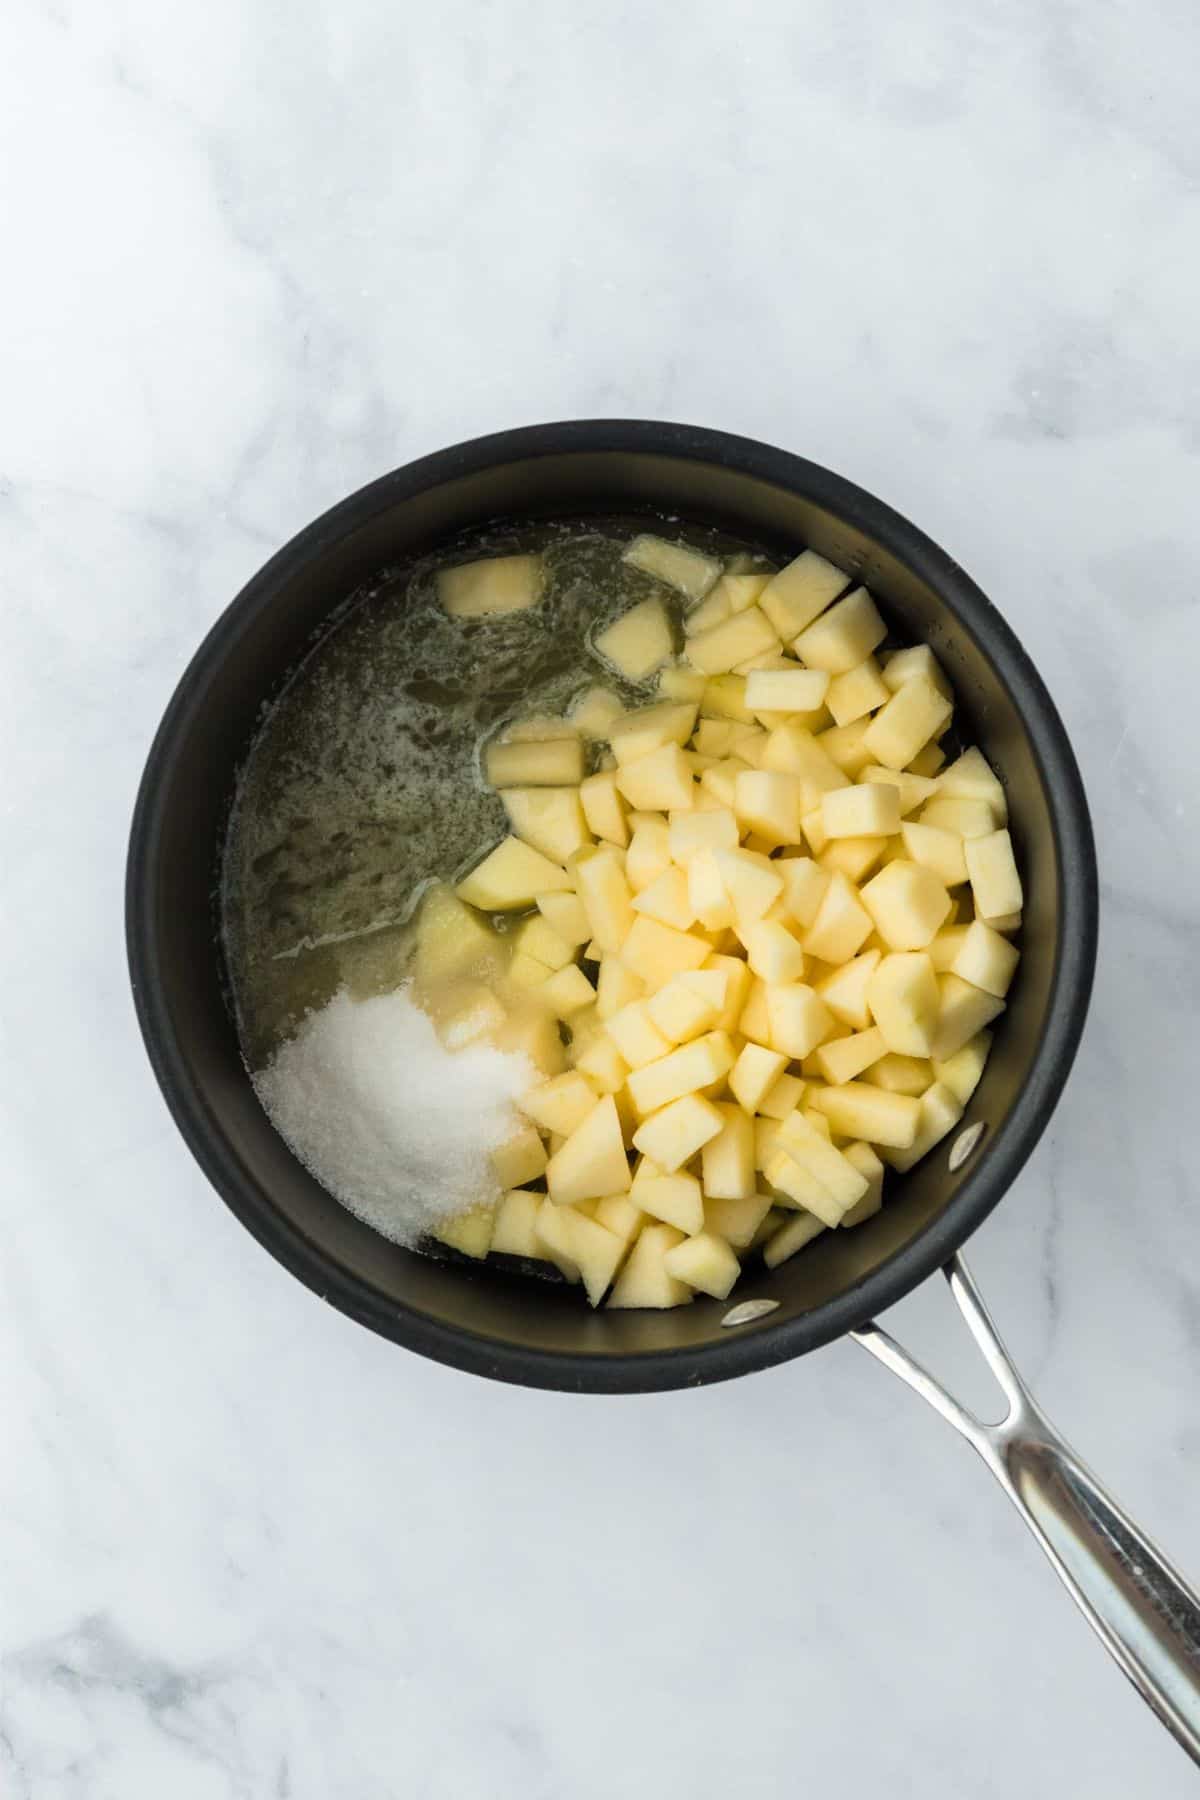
[257, 254]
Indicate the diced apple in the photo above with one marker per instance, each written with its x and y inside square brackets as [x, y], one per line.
[800, 1138]
[652, 728]
[591, 1164]
[727, 1160]
[655, 952]
[790, 1238]
[470, 1233]
[927, 762]
[940, 1111]
[677, 565]
[534, 937]
[869, 810]
[940, 851]
[854, 857]
[648, 854]
[858, 692]
[561, 1104]
[946, 946]
[966, 817]
[604, 808]
[620, 1214]
[704, 1262]
[964, 1011]
[962, 1072]
[682, 684]
[768, 802]
[604, 891]
[713, 610]
[658, 782]
[688, 1005]
[914, 790]
[786, 690]
[556, 763]
[675, 1199]
[514, 1228]
[842, 637]
[551, 1230]
[903, 1074]
[804, 885]
[791, 749]
[549, 819]
[793, 598]
[782, 1098]
[521, 1158]
[645, 1280]
[594, 711]
[841, 1059]
[510, 876]
[734, 640]
[736, 1220]
[798, 1018]
[869, 1166]
[596, 1252]
[567, 991]
[453, 940]
[666, 900]
[725, 698]
[842, 924]
[915, 713]
[754, 1074]
[616, 986]
[673, 1136]
[773, 953]
[985, 959]
[907, 904]
[565, 915]
[859, 1110]
[918, 659]
[972, 777]
[636, 1036]
[737, 987]
[844, 990]
[905, 1003]
[690, 832]
[599, 1059]
[755, 1020]
[530, 1031]
[691, 1066]
[639, 642]
[846, 748]
[497, 584]
[995, 882]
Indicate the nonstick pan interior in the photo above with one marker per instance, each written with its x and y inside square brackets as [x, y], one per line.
[476, 1317]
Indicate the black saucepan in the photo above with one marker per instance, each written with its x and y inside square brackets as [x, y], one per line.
[499, 1325]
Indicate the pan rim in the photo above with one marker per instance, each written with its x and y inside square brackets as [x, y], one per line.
[754, 1347]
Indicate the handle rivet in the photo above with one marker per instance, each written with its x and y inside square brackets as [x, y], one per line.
[748, 1311]
[964, 1143]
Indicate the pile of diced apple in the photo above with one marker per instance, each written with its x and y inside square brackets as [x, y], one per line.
[753, 955]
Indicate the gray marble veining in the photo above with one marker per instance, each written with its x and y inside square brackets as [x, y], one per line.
[256, 254]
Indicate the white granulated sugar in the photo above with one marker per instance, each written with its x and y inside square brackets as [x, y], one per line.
[397, 1127]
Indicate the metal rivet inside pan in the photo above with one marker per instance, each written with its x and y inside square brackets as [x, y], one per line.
[964, 1143]
[748, 1311]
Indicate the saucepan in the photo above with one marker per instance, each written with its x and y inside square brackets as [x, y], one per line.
[490, 1323]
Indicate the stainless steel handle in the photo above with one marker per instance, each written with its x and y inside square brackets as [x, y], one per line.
[1137, 1604]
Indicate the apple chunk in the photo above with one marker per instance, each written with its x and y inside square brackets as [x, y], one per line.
[592, 1162]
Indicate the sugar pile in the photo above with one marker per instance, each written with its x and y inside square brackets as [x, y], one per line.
[394, 1125]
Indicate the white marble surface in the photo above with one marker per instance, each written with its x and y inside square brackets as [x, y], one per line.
[257, 253]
